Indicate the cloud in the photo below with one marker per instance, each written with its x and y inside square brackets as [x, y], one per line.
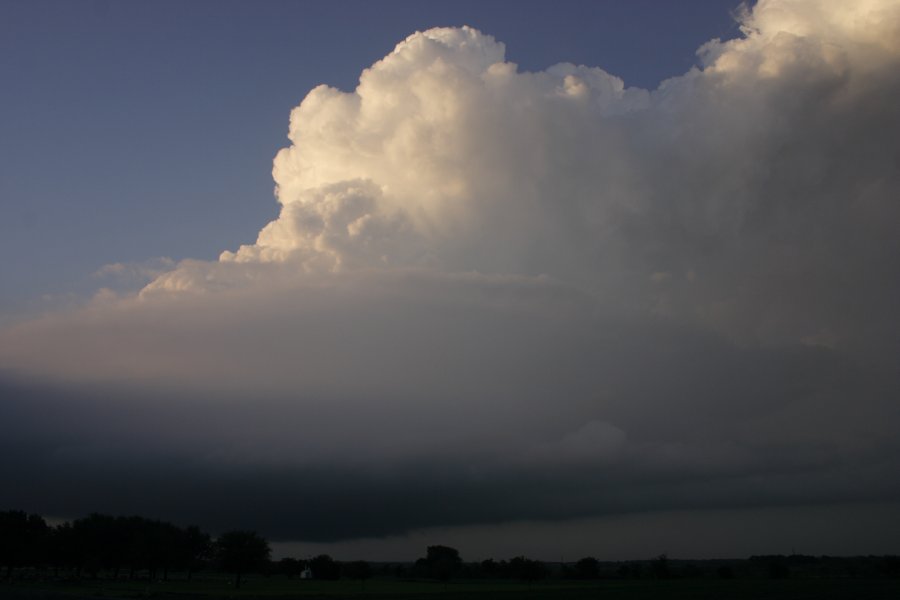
[756, 185]
[134, 275]
[495, 295]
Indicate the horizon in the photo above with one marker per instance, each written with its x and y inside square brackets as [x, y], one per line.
[282, 550]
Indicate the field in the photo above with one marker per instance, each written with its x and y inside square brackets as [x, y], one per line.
[279, 587]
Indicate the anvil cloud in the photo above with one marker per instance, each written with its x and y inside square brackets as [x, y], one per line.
[494, 295]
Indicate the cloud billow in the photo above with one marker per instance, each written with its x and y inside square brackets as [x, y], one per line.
[582, 297]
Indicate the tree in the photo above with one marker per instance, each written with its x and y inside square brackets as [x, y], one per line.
[22, 539]
[96, 544]
[325, 567]
[196, 549]
[440, 562]
[242, 551]
[778, 569]
[725, 572]
[290, 567]
[489, 567]
[358, 569]
[587, 568]
[165, 541]
[661, 567]
[632, 570]
[526, 569]
[63, 550]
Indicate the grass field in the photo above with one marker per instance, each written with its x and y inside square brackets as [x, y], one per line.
[277, 587]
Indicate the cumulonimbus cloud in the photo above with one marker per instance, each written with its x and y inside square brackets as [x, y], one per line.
[552, 277]
[744, 193]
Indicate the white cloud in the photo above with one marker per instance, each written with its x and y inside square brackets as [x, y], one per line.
[757, 184]
[130, 274]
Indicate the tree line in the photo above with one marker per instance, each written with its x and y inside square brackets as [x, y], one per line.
[137, 547]
[122, 546]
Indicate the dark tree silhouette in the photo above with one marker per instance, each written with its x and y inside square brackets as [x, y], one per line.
[440, 562]
[167, 546]
[632, 570]
[290, 567]
[358, 569]
[196, 549]
[242, 551]
[100, 543]
[891, 566]
[587, 568]
[62, 551]
[22, 540]
[526, 569]
[661, 568]
[97, 544]
[137, 543]
[489, 567]
[325, 567]
[777, 569]
[725, 572]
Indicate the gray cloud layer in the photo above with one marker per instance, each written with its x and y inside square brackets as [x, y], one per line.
[494, 295]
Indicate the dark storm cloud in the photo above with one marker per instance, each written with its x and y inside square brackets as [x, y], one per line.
[699, 424]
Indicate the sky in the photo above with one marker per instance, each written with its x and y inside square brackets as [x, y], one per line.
[589, 278]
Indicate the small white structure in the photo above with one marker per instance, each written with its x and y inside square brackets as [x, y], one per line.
[306, 573]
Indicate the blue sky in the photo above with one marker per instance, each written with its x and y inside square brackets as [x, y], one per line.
[136, 130]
